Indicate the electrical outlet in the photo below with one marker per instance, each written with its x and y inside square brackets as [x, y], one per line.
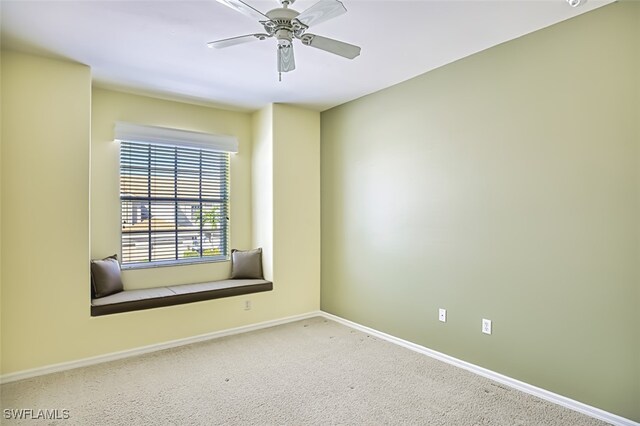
[442, 315]
[247, 305]
[486, 326]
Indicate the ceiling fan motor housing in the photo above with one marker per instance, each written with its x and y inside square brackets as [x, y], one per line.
[282, 15]
[283, 25]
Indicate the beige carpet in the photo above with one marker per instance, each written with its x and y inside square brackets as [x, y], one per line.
[308, 372]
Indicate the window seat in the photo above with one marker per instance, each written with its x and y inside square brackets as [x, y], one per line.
[135, 300]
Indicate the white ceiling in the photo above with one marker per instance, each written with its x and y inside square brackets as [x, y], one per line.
[159, 47]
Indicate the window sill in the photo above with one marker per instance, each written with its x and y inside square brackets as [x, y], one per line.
[185, 262]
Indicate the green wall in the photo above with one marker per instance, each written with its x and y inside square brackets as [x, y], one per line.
[503, 186]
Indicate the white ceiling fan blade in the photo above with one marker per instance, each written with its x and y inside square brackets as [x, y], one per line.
[219, 44]
[340, 48]
[321, 11]
[245, 9]
[286, 61]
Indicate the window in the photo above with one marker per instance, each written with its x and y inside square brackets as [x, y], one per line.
[174, 201]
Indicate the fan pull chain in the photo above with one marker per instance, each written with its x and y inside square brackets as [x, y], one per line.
[279, 76]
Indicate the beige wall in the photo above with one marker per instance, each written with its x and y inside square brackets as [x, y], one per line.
[262, 184]
[503, 186]
[48, 131]
[296, 203]
[287, 199]
[45, 209]
[1, 98]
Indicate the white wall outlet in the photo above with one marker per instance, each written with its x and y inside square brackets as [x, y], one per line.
[486, 326]
[442, 315]
[247, 305]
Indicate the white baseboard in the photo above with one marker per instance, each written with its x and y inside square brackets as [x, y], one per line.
[54, 368]
[500, 378]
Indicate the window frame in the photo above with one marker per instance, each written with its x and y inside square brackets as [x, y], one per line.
[224, 181]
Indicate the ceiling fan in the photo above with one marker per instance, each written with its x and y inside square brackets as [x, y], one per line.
[286, 25]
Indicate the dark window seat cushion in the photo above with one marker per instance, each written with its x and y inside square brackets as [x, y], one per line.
[135, 300]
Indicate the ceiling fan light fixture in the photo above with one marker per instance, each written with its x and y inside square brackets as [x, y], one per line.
[284, 35]
[576, 3]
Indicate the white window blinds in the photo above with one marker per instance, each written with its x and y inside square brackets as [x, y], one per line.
[174, 202]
